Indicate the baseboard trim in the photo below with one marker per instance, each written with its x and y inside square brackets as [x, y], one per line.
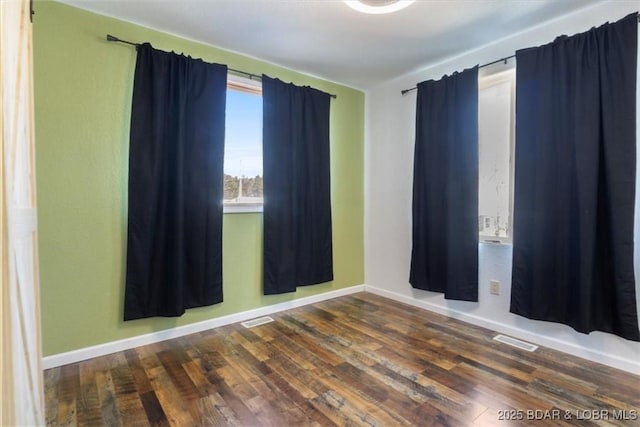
[570, 348]
[154, 337]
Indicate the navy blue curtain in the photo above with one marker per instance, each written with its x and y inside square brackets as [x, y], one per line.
[444, 256]
[575, 175]
[297, 187]
[176, 154]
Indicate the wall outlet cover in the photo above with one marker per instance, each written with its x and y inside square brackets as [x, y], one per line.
[494, 287]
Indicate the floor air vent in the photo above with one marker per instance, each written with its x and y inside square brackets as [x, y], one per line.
[257, 322]
[515, 343]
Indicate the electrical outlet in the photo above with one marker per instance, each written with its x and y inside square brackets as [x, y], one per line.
[494, 287]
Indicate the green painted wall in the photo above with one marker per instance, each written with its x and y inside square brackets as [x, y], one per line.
[82, 107]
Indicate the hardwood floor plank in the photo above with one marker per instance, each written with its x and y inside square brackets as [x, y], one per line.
[495, 372]
[128, 401]
[51, 378]
[173, 405]
[312, 348]
[258, 407]
[258, 375]
[67, 415]
[214, 412]
[252, 344]
[180, 380]
[107, 398]
[436, 398]
[407, 371]
[303, 357]
[302, 381]
[566, 382]
[574, 402]
[513, 395]
[339, 346]
[337, 330]
[153, 409]
[394, 341]
[361, 398]
[303, 403]
[240, 409]
[388, 399]
[140, 378]
[88, 402]
[196, 371]
[357, 360]
[345, 411]
[621, 392]
[68, 382]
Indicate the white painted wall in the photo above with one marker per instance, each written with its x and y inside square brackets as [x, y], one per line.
[389, 139]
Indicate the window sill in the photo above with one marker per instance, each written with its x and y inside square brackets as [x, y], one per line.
[239, 208]
[499, 241]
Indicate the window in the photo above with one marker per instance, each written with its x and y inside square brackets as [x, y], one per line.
[496, 119]
[243, 146]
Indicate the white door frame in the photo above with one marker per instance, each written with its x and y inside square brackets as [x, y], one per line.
[21, 395]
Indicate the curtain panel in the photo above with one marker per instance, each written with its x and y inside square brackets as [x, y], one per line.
[444, 256]
[575, 173]
[176, 155]
[297, 187]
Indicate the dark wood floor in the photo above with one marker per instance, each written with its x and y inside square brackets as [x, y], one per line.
[355, 360]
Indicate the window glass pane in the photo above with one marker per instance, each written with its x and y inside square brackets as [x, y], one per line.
[243, 148]
[495, 130]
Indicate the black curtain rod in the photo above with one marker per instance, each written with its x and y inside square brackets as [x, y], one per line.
[244, 73]
[505, 59]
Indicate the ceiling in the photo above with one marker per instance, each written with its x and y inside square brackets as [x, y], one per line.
[327, 39]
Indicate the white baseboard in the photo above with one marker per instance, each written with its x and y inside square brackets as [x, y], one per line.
[125, 344]
[632, 366]
[74, 356]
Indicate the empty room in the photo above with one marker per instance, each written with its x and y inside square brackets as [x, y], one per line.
[320, 212]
